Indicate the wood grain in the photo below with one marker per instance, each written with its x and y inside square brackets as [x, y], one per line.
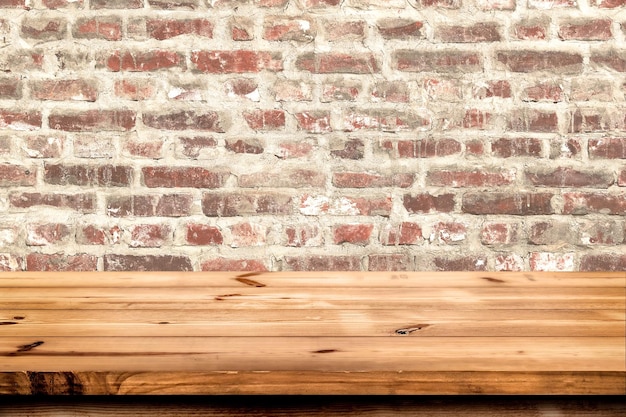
[323, 333]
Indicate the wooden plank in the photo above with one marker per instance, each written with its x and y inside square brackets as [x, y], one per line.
[331, 354]
[311, 382]
[40, 323]
[421, 279]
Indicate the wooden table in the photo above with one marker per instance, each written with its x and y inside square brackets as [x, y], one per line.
[312, 333]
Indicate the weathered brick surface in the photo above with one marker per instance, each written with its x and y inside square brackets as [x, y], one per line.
[313, 135]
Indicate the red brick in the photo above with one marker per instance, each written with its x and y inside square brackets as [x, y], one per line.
[551, 4]
[350, 149]
[579, 203]
[93, 120]
[566, 148]
[552, 233]
[318, 4]
[116, 4]
[115, 262]
[85, 202]
[603, 262]
[265, 119]
[143, 149]
[612, 60]
[294, 149]
[149, 235]
[357, 234]
[46, 234]
[16, 175]
[369, 180]
[587, 89]
[587, 30]
[135, 89]
[551, 92]
[62, 4]
[590, 120]
[608, 4]
[390, 91]
[531, 120]
[621, 180]
[185, 119]
[406, 233]
[61, 90]
[425, 148]
[289, 178]
[531, 29]
[244, 204]
[519, 204]
[239, 61]
[602, 232]
[316, 205]
[517, 147]
[144, 61]
[94, 175]
[287, 28]
[249, 146]
[98, 235]
[49, 146]
[448, 232]
[174, 177]
[86, 147]
[328, 63]
[108, 28]
[499, 233]
[243, 87]
[400, 28]
[270, 3]
[10, 262]
[162, 29]
[441, 4]
[547, 261]
[61, 262]
[444, 61]
[231, 265]
[427, 203]
[43, 28]
[390, 262]
[479, 32]
[526, 61]
[248, 234]
[509, 262]
[292, 90]
[314, 121]
[476, 119]
[202, 234]
[342, 30]
[569, 178]
[303, 236]
[13, 4]
[500, 88]
[321, 263]
[10, 88]
[19, 120]
[386, 120]
[175, 4]
[465, 263]
[165, 205]
[473, 178]
[337, 92]
[242, 29]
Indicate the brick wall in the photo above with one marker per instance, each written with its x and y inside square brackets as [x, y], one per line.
[313, 135]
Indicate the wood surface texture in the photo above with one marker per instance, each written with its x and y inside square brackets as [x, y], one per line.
[312, 333]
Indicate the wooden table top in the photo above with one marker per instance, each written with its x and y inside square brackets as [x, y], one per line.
[312, 333]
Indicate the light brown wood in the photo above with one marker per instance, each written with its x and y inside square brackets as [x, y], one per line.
[351, 333]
